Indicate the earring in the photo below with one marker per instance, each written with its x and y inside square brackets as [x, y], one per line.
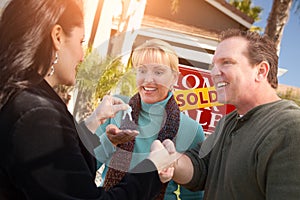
[53, 63]
[51, 71]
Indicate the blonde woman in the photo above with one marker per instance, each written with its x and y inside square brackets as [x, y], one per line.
[155, 114]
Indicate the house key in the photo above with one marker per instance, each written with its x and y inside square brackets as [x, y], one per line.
[128, 112]
[127, 122]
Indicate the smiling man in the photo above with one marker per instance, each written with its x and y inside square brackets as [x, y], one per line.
[254, 151]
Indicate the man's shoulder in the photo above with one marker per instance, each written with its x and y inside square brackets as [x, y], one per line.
[289, 111]
[285, 109]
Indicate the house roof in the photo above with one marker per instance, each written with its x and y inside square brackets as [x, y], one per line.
[232, 12]
[157, 22]
[154, 19]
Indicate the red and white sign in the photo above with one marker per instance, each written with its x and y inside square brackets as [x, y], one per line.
[197, 98]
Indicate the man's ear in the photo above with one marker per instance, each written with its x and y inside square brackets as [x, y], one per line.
[56, 35]
[262, 70]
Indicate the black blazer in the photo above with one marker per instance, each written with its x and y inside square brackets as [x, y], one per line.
[45, 154]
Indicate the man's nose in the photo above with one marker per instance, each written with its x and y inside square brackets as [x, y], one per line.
[215, 71]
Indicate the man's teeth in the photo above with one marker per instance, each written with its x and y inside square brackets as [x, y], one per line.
[149, 89]
[222, 84]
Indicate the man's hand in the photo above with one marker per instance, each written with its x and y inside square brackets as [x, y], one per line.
[117, 136]
[166, 175]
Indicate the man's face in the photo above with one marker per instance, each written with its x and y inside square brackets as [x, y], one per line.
[232, 74]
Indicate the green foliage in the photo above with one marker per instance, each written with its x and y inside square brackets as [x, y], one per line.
[252, 11]
[89, 71]
[126, 85]
[97, 77]
[113, 71]
[64, 92]
[289, 94]
[246, 7]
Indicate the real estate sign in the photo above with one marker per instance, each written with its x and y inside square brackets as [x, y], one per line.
[197, 98]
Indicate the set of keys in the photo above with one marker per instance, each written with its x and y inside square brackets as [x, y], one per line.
[128, 112]
[128, 123]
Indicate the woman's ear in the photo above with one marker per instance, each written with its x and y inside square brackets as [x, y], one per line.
[176, 76]
[262, 71]
[56, 35]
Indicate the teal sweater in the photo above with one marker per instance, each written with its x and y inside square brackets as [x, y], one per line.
[151, 115]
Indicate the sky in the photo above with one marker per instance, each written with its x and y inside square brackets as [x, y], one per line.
[290, 44]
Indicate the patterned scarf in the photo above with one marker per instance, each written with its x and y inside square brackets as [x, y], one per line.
[121, 158]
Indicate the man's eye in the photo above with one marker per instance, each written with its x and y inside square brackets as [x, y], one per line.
[226, 62]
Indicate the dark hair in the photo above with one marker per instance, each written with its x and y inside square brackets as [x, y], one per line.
[26, 46]
[260, 48]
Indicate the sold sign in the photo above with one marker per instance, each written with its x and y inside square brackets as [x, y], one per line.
[197, 97]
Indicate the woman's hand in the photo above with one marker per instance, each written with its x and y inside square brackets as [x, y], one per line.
[118, 136]
[108, 108]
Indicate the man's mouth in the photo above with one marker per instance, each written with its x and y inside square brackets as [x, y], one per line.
[221, 84]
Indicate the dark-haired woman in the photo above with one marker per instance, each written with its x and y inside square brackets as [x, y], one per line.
[44, 152]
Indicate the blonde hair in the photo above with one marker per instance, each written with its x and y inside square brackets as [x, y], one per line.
[157, 50]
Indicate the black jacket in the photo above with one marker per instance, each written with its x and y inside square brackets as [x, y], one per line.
[44, 154]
